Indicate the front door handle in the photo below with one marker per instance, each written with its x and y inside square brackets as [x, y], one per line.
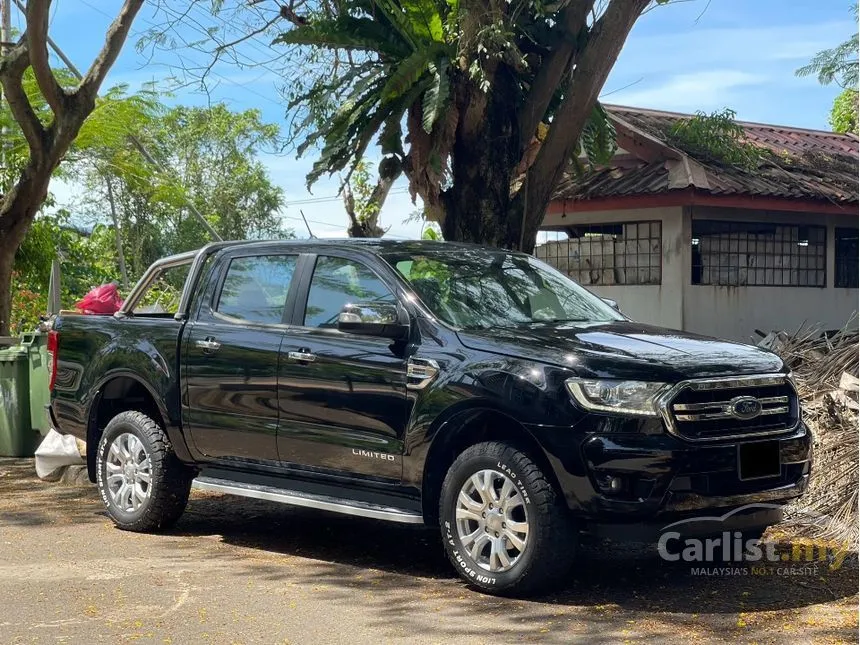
[302, 357]
[208, 345]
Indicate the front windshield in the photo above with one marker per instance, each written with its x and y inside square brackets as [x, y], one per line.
[480, 289]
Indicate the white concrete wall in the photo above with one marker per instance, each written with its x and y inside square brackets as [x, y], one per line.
[726, 312]
[736, 312]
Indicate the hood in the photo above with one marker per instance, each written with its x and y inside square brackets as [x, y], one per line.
[625, 350]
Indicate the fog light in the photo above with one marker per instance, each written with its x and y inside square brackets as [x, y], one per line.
[610, 484]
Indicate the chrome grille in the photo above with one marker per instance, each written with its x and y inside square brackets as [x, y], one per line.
[710, 410]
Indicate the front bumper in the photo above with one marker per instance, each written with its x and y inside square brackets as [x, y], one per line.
[664, 478]
[750, 519]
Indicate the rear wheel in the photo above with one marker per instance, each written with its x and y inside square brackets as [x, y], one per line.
[143, 484]
[504, 528]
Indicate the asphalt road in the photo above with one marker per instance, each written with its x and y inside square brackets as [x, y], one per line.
[242, 571]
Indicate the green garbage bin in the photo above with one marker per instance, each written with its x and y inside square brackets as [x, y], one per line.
[17, 438]
[36, 344]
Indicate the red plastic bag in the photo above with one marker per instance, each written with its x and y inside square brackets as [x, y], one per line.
[101, 300]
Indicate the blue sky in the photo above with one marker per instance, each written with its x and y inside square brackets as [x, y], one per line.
[687, 56]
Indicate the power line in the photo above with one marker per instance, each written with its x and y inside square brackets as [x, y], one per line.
[139, 34]
[193, 22]
[261, 47]
[333, 198]
[339, 226]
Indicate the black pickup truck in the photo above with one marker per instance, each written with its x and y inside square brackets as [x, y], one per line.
[433, 383]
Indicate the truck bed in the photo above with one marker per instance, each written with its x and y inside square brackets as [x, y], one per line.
[94, 349]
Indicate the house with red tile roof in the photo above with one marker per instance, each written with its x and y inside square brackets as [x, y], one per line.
[681, 239]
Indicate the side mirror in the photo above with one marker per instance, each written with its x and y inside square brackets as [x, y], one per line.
[612, 303]
[382, 319]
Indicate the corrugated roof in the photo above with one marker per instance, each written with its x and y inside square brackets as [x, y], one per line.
[809, 164]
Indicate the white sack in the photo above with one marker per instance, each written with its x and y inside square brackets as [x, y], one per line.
[55, 453]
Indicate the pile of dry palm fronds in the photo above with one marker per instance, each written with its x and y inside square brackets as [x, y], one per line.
[825, 368]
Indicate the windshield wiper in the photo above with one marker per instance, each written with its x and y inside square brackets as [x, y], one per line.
[558, 320]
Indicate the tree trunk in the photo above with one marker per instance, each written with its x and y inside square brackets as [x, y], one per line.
[7, 261]
[479, 206]
[117, 233]
[390, 169]
[47, 144]
[503, 179]
[364, 229]
[17, 210]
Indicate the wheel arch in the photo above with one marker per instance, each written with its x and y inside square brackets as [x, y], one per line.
[121, 391]
[468, 428]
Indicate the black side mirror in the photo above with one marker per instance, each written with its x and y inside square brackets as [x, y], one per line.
[382, 319]
[612, 303]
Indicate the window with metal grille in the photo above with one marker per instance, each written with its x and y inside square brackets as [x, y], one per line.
[607, 254]
[846, 257]
[754, 254]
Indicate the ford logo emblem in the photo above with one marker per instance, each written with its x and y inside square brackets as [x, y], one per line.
[745, 407]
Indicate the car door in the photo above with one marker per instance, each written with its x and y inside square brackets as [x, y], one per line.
[342, 396]
[231, 359]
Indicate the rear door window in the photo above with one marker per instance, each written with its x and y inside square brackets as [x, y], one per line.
[337, 282]
[255, 288]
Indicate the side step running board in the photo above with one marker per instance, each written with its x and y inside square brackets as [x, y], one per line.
[321, 502]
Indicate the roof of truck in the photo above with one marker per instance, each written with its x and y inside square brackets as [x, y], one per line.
[378, 245]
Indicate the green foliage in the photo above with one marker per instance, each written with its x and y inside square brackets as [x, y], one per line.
[405, 49]
[715, 137]
[213, 154]
[210, 160]
[842, 66]
[346, 32]
[117, 113]
[436, 96]
[87, 259]
[843, 116]
[839, 64]
[27, 306]
[361, 184]
[165, 294]
[431, 232]
[598, 137]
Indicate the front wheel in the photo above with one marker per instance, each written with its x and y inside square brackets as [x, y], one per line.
[504, 528]
[142, 483]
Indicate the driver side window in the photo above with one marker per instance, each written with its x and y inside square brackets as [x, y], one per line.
[337, 282]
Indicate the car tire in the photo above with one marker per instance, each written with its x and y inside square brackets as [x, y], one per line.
[142, 483]
[504, 528]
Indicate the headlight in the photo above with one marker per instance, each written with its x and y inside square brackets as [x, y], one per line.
[619, 397]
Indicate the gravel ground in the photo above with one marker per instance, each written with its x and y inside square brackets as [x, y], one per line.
[241, 571]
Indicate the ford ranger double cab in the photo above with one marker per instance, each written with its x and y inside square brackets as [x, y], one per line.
[451, 385]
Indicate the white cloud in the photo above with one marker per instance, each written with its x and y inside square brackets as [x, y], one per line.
[721, 62]
[333, 235]
[706, 90]
[747, 47]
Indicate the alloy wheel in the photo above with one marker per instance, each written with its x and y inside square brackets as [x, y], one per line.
[128, 473]
[492, 520]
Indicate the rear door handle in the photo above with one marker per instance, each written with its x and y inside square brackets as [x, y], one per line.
[208, 345]
[303, 357]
